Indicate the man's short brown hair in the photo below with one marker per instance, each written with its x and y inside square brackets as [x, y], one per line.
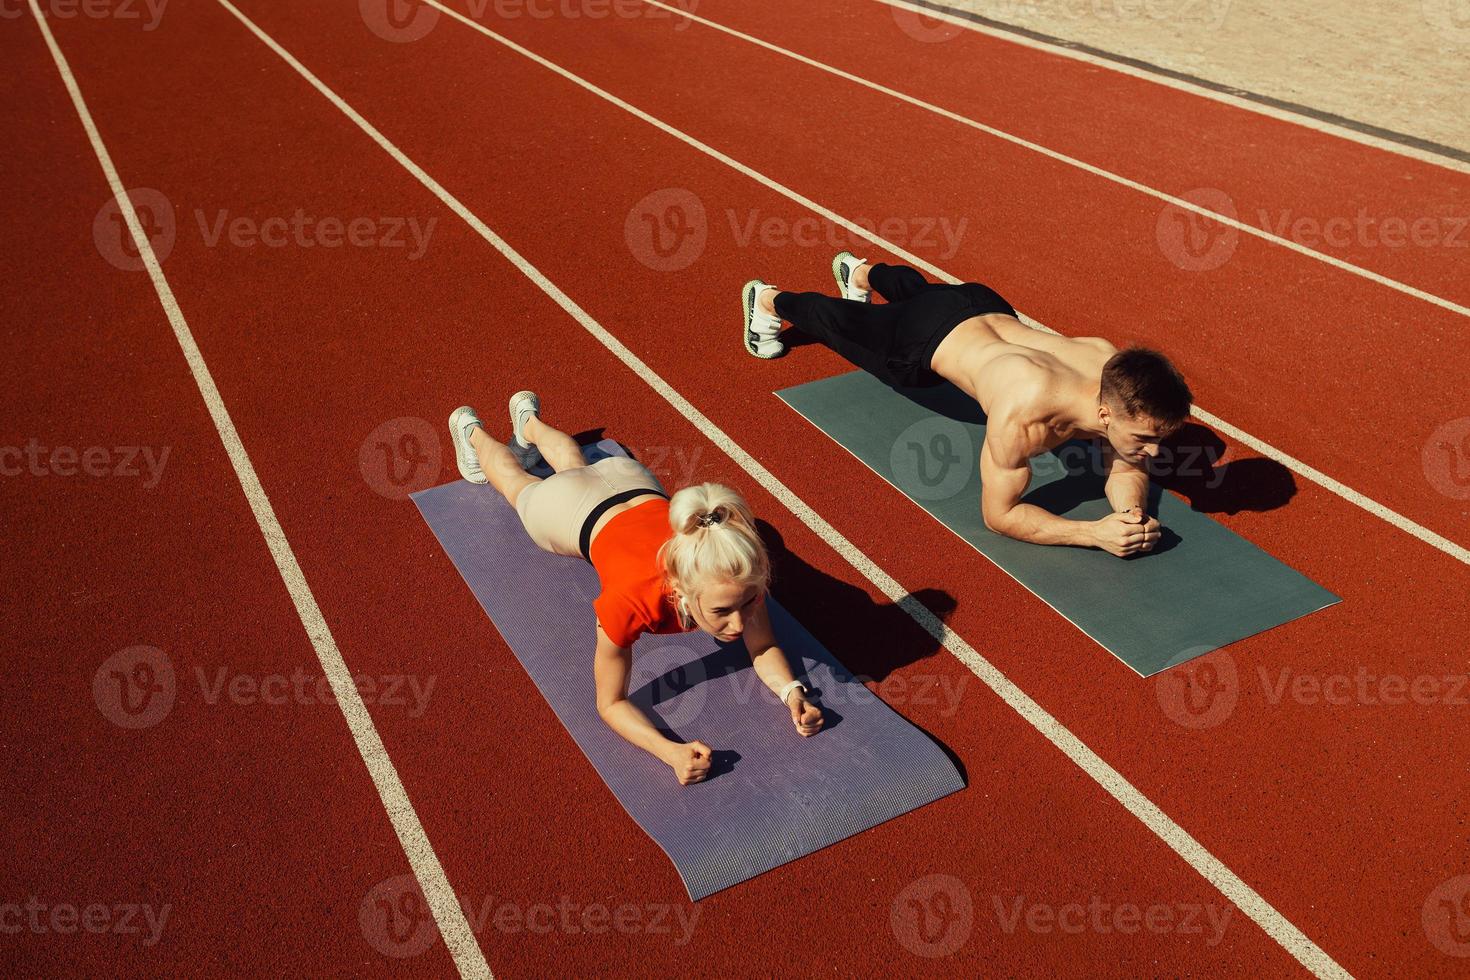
[1143, 384]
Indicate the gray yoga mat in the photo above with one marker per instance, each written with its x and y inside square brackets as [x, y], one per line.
[773, 795]
[1202, 588]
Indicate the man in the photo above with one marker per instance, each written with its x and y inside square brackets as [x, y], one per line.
[1037, 390]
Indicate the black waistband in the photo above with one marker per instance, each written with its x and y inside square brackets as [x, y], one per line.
[584, 542]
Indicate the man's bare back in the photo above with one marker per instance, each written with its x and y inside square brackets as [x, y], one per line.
[1039, 390]
[993, 357]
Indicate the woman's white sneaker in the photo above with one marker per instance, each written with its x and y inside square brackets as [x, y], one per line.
[844, 264]
[461, 421]
[523, 405]
[761, 329]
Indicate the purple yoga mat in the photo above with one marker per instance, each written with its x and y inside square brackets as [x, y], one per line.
[773, 796]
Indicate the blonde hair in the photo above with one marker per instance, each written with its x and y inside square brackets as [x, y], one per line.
[714, 540]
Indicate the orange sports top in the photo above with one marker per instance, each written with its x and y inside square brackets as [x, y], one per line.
[633, 600]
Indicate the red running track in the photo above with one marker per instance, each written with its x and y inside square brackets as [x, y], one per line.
[1343, 818]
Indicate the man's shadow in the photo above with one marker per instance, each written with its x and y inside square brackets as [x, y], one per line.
[1189, 464]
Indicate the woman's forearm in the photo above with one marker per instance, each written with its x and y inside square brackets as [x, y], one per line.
[624, 718]
[772, 667]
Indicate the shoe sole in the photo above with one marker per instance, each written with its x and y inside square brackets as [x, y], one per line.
[837, 274]
[463, 449]
[748, 295]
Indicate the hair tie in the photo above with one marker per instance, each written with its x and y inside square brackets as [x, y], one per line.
[710, 519]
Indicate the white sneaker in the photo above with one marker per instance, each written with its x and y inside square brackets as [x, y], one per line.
[461, 421]
[523, 405]
[843, 266]
[761, 329]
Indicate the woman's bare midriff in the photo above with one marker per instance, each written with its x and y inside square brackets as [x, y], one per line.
[617, 509]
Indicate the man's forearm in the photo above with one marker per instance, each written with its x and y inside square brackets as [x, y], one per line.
[1127, 492]
[1037, 525]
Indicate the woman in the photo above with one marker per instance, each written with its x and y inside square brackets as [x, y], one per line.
[666, 565]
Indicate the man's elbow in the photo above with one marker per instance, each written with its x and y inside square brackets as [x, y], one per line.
[996, 521]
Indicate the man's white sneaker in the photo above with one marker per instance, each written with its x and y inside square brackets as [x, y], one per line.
[461, 421]
[844, 264]
[761, 329]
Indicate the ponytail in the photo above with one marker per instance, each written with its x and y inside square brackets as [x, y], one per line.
[715, 540]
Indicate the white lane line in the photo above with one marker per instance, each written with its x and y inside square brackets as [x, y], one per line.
[1439, 542]
[1281, 113]
[1344, 491]
[1210, 867]
[1072, 161]
[447, 912]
